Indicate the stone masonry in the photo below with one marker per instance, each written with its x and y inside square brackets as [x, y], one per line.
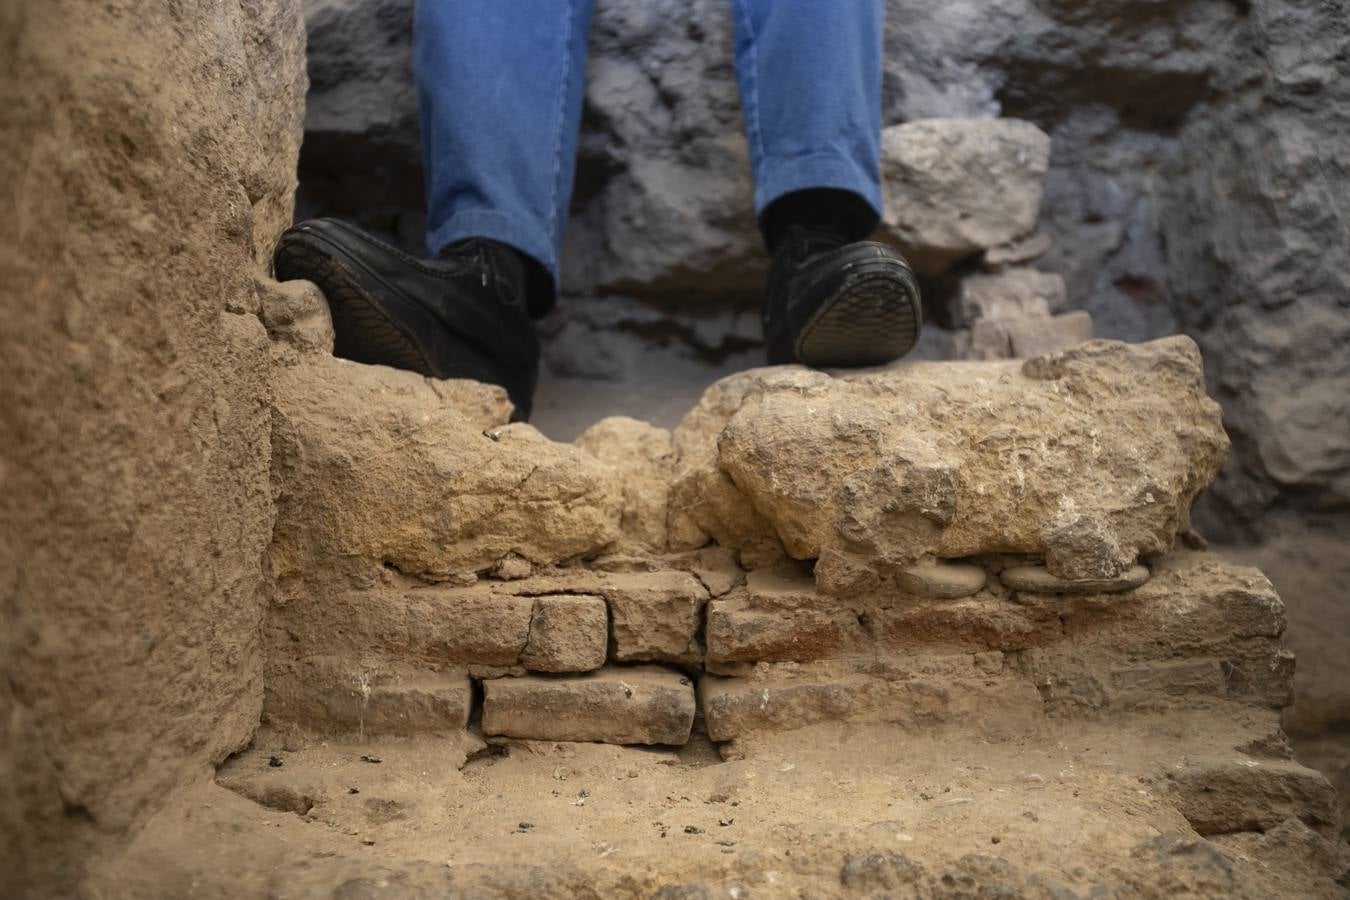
[980, 544]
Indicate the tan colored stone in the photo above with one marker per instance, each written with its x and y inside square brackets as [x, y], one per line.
[1038, 579]
[955, 187]
[296, 313]
[1021, 338]
[913, 694]
[655, 616]
[737, 631]
[567, 634]
[946, 581]
[367, 696]
[639, 705]
[1017, 252]
[1048, 457]
[642, 457]
[380, 467]
[1228, 794]
[433, 625]
[1014, 294]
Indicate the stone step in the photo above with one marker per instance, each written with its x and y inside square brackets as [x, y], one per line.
[616, 705]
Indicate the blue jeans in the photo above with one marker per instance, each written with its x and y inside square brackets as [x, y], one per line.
[500, 86]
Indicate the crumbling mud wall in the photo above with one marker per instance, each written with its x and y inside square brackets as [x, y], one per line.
[148, 164]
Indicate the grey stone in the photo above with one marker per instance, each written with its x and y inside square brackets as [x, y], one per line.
[567, 634]
[1030, 336]
[949, 581]
[956, 187]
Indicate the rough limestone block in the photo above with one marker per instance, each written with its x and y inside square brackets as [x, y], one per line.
[1221, 796]
[366, 696]
[1017, 252]
[1089, 458]
[1022, 338]
[913, 694]
[946, 581]
[375, 468]
[639, 705]
[567, 634]
[296, 313]
[979, 623]
[1037, 578]
[655, 616]
[642, 457]
[955, 187]
[738, 632]
[441, 625]
[1013, 294]
[1138, 685]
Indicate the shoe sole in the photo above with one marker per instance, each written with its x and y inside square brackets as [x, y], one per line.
[873, 318]
[368, 329]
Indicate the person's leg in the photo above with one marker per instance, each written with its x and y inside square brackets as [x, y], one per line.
[500, 88]
[810, 79]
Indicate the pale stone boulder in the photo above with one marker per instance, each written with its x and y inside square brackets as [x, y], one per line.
[957, 187]
[1089, 458]
[639, 705]
[296, 313]
[1021, 338]
[380, 468]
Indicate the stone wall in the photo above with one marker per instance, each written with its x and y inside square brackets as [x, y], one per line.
[1198, 172]
[148, 165]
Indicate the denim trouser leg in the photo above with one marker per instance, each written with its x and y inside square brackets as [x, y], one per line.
[500, 85]
[810, 77]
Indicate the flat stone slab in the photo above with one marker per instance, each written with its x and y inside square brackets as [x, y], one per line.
[943, 581]
[567, 634]
[638, 705]
[334, 695]
[1039, 580]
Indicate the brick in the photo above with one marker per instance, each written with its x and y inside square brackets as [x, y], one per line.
[738, 632]
[567, 634]
[333, 695]
[637, 705]
[655, 616]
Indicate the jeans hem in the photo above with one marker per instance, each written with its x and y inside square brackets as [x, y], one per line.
[783, 175]
[496, 226]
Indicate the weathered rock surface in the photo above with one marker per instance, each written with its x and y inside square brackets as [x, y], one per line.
[957, 187]
[567, 634]
[346, 695]
[638, 705]
[1050, 458]
[1038, 579]
[148, 163]
[642, 456]
[1029, 336]
[379, 468]
[1218, 796]
[1013, 294]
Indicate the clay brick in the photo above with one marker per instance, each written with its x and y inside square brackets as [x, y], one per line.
[639, 705]
[737, 632]
[655, 615]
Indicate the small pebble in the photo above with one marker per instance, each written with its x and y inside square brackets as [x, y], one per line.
[371, 759]
[274, 762]
[690, 829]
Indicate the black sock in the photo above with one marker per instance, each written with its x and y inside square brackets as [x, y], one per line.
[830, 210]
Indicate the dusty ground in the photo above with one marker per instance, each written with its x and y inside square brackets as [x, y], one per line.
[1071, 810]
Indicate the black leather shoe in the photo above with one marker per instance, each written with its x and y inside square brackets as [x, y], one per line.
[831, 303]
[461, 315]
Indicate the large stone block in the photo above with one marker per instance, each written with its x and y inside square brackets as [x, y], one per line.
[380, 468]
[366, 696]
[1051, 457]
[956, 187]
[1218, 796]
[639, 705]
[655, 616]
